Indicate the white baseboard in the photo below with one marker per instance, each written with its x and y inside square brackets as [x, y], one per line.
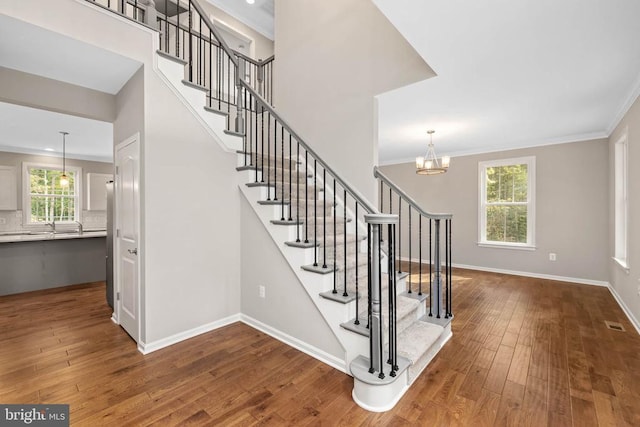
[146, 348]
[304, 347]
[523, 273]
[535, 275]
[624, 308]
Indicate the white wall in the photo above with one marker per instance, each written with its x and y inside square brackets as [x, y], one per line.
[286, 307]
[571, 209]
[627, 284]
[332, 58]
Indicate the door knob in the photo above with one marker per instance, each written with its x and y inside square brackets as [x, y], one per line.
[133, 251]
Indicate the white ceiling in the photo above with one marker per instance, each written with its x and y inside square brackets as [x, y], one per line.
[31, 49]
[258, 16]
[511, 74]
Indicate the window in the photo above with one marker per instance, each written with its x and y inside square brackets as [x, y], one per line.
[621, 201]
[507, 208]
[44, 199]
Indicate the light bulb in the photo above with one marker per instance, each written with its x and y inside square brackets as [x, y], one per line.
[251, 1]
[446, 160]
[64, 181]
[428, 164]
[419, 162]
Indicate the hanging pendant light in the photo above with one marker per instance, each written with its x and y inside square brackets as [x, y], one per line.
[429, 164]
[64, 180]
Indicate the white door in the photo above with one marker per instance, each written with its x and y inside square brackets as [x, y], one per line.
[127, 218]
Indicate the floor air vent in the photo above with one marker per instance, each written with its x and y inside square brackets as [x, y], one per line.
[614, 325]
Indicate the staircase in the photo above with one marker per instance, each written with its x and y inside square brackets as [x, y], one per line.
[344, 250]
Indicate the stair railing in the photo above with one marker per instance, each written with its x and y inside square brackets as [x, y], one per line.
[326, 211]
[399, 201]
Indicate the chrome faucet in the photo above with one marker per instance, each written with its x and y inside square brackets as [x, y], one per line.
[52, 225]
[80, 231]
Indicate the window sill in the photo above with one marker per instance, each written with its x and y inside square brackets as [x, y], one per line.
[506, 246]
[623, 264]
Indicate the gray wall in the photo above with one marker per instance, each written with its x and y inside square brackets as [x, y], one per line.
[287, 306]
[332, 58]
[44, 264]
[571, 209]
[34, 91]
[627, 285]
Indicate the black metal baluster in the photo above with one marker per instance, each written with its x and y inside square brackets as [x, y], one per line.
[446, 266]
[177, 30]
[290, 189]
[420, 254]
[229, 77]
[190, 47]
[381, 198]
[306, 198]
[275, 159]
[450, 267]
[344, 225]
[400, 235]
[335, 269]
[210, 94]
[315, 214]
[430, 269]
[357, 322]
[393, 312]
[410, 261]
[262, 149]
[200, 61]
[166, 25]
[369, 242]
[219, 77]
[268, 155]
[380, 324]
[324, 217]
[297, 190]
[282, 172]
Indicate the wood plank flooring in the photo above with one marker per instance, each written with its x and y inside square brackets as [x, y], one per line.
[524, 352]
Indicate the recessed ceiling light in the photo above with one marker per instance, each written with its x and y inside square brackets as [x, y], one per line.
[251, 1]
[49, 149]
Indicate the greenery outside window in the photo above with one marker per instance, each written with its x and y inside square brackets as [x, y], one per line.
[507, 203]
[45, 200]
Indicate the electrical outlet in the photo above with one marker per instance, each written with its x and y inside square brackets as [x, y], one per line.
[552, 256]
[262, 291]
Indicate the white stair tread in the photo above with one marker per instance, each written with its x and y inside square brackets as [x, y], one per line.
[416, 340]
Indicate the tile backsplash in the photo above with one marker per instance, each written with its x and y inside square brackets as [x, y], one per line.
[11, 221]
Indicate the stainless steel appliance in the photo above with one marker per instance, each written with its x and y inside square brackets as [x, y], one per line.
[110, 254]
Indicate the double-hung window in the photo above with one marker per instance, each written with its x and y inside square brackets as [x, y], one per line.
[507, 203]
[45, 200]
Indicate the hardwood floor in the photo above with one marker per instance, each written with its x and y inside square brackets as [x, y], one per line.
[524, 352]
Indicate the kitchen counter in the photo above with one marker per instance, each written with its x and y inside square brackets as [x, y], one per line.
[40, 236]
[30, 262]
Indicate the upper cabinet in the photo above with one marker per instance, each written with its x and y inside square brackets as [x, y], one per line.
[8, 188]
[97, 191]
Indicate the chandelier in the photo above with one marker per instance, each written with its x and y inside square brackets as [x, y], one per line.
[429, 164]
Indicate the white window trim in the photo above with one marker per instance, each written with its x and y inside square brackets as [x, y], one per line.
[26, 195]
[623, 142]
[530, 161]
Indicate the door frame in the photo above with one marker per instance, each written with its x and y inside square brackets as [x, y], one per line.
[117, 285]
